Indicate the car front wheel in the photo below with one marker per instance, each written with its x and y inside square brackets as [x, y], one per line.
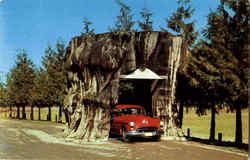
[156, 138]
[124, 135]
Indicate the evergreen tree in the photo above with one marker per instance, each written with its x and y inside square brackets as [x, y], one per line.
[39, 96]
[20, 82]
[87, 30]
[2, 93]
[228, 33]
[203, 73]
[3, 96]
[146, 24]
[178, 22]
[56, 78]
[1, 83]
[124, 21]
[218, 66]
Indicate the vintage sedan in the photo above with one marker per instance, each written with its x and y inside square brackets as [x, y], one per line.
[131, 121]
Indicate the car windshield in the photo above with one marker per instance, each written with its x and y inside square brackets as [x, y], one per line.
[132, 111]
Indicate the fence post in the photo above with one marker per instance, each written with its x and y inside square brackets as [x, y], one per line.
[220, 137]
[188, 132]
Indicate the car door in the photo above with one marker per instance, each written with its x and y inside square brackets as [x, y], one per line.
[121, 120]
[114, 121]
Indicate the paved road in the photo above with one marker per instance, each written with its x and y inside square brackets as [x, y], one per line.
[37, 140]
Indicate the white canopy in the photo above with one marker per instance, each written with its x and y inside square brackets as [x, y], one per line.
[138, 74]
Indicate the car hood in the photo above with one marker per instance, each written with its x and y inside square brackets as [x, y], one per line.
[141, 119]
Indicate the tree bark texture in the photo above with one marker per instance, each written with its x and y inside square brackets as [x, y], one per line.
[94, 66]
[32, 113]
[60, 114]
[49, 114]
[23, 112]
[10, 112]
[18, 112]
[238, 131]
[181, 114]
[39, 113]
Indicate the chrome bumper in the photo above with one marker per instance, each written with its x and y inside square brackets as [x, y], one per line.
[144, 134]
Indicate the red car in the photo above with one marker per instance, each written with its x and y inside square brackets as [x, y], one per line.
[131, 121]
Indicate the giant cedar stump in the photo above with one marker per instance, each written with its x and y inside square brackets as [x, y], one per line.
[94, 65]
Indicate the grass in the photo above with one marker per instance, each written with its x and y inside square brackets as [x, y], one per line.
[225, 124]
[4, 113]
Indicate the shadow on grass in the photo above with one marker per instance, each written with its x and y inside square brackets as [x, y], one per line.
[243, 146]
[36, 120]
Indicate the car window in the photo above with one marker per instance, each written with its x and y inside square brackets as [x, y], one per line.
[114, 113]
[124, 112]
[132, 111]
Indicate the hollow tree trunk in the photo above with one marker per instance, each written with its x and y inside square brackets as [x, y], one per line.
[92, 93]
[238, 131]
[212, 125]
[171, 116]
[93, 67]
[91, 124]
[89, 118]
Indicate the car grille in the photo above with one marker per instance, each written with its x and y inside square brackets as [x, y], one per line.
[146, 129]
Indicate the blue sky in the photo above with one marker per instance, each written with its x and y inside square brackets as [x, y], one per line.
[33, 24]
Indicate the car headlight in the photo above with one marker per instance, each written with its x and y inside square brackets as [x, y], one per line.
[131, 124]
[161, 124]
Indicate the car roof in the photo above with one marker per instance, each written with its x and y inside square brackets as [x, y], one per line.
[122, 106]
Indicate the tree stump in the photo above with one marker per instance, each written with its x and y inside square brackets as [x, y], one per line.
[94, 65]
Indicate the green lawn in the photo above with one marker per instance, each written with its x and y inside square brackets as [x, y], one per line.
[4, 113]
[225, 124]
[199, 126]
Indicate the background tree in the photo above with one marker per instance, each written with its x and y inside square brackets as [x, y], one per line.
[179, 22]
[218, 65]
[10, 101]
[39, 96]
[4, 99]
[204, 74]
[56, 78]
[20, 81]
[2, 92]
[2, 84]
[3, 95]
[87, 30]
[124, 21]
[146, 24]
[228, 33]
